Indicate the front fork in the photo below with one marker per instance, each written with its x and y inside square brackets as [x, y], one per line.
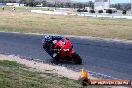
[70, 54]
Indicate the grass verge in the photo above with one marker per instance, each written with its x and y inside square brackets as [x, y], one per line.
[14, 75]
[68, 25]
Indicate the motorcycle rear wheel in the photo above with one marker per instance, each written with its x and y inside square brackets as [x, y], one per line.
[76, 58]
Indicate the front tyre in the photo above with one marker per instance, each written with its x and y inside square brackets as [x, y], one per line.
[76, 58]
[56, 59]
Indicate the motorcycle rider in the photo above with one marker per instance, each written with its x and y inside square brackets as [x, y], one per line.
[60, 48]
[50, 41]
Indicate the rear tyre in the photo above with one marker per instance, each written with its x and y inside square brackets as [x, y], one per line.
[77, 59]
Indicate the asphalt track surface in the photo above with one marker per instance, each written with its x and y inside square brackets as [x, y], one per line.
[112, 62]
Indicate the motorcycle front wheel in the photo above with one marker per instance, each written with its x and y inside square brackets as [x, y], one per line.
[76, 58]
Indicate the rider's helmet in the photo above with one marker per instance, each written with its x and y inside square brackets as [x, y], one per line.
[48, 38]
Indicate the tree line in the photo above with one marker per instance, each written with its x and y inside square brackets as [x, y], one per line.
[52, 3]
[118, 6]
[64, 4]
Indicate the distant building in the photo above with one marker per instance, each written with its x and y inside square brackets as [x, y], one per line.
[12, 4]
[101, 4]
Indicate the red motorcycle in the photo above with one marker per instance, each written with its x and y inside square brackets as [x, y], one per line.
[62, 50]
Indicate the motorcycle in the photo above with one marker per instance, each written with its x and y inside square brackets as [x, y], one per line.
[62, 50]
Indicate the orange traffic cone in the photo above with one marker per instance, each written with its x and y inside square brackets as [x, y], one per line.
[84, 74]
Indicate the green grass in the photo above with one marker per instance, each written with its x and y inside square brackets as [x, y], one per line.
[11, 64]
[66, 25]
[13, 77]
